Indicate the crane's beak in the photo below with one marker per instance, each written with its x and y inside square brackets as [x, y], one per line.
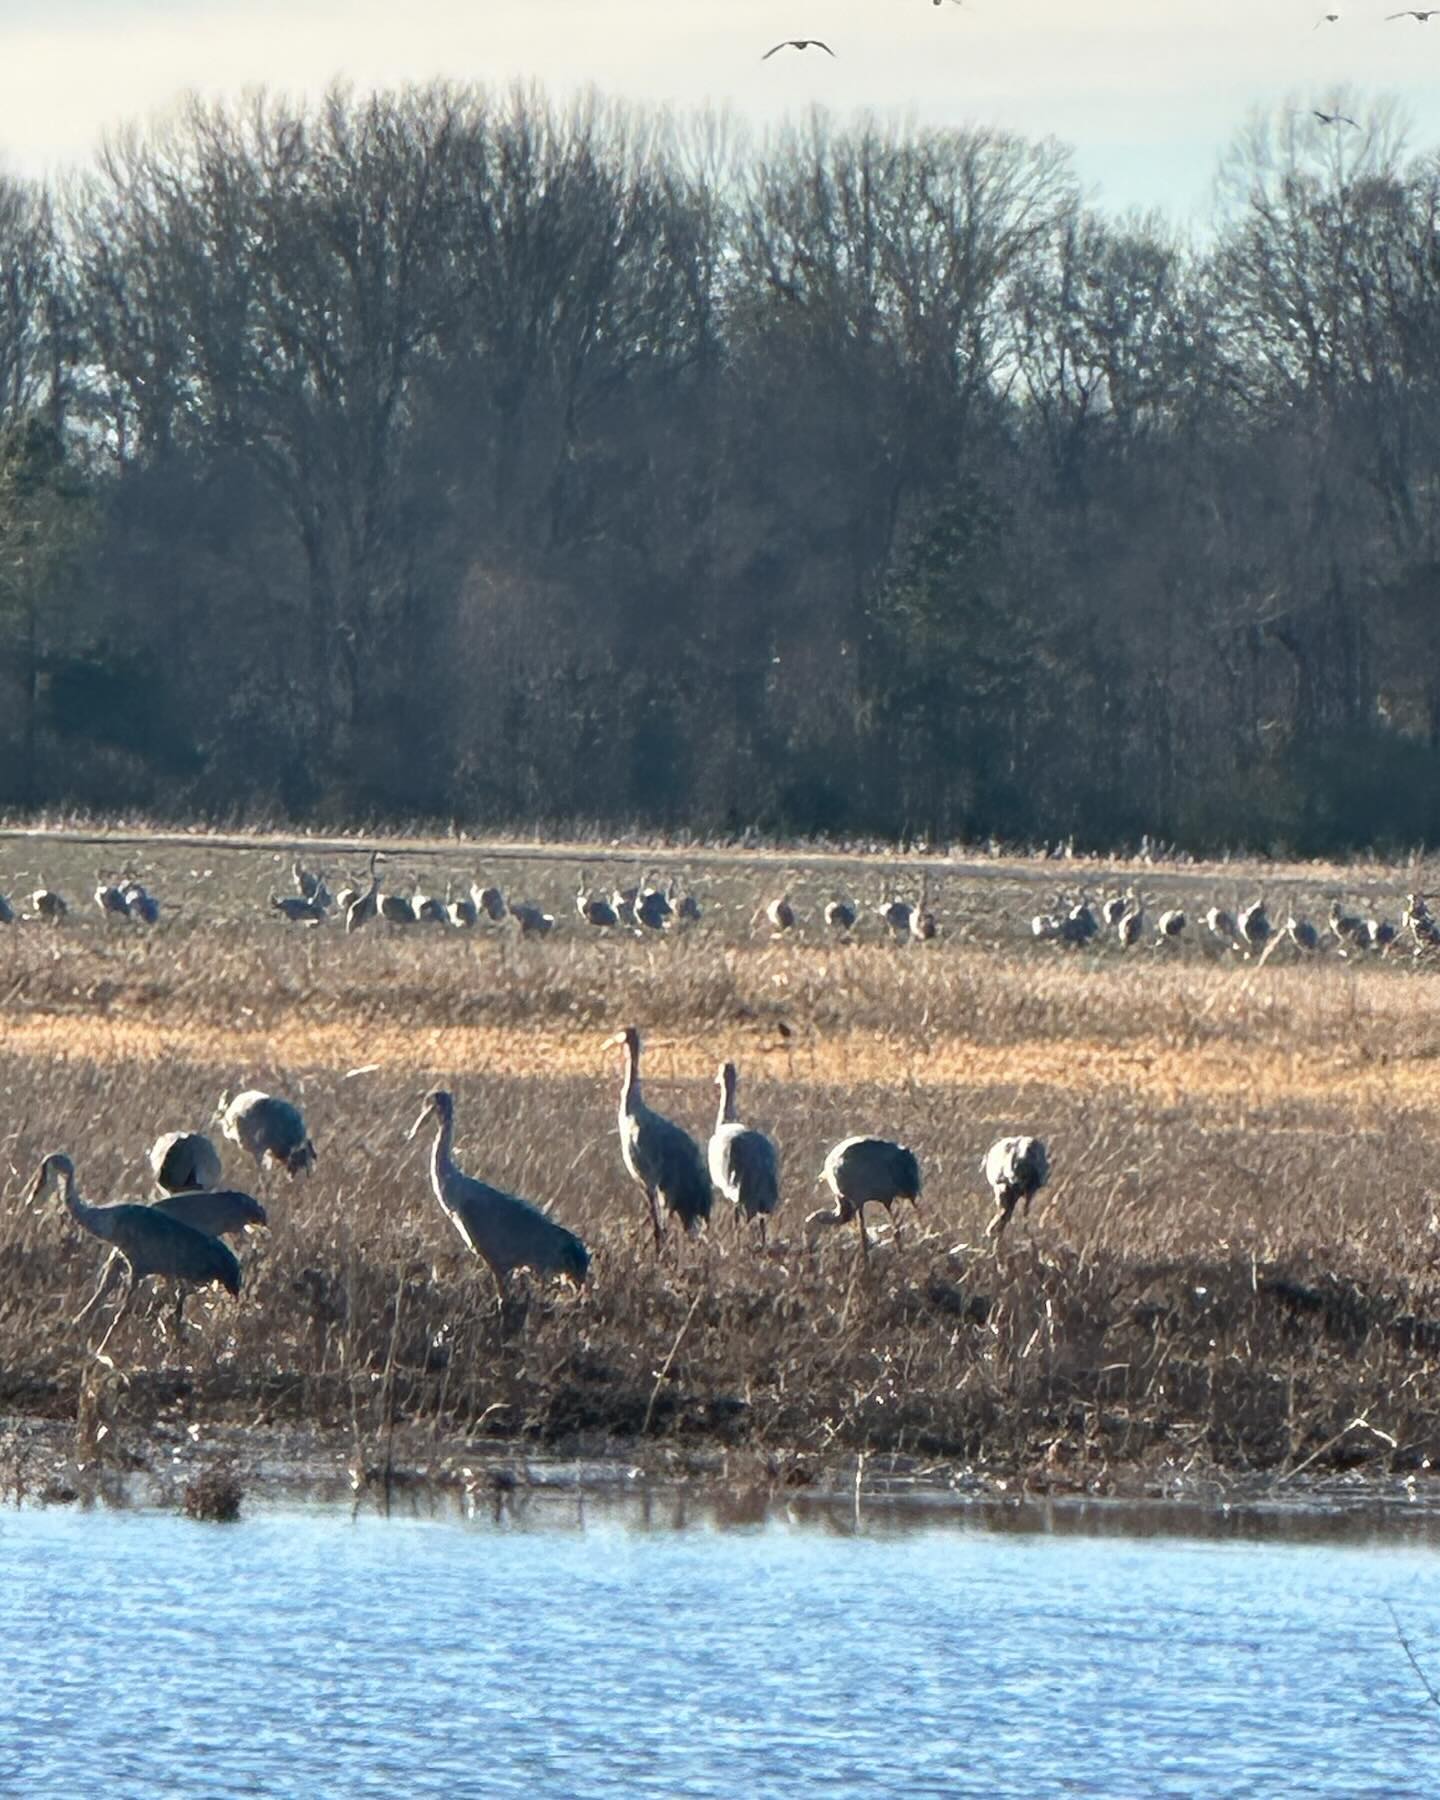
[419, 1124]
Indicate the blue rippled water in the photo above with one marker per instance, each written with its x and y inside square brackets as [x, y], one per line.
[308, 1653]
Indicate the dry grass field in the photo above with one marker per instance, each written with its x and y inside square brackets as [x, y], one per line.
[1234, 1267]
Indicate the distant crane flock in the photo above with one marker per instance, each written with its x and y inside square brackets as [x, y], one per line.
[180, 1236]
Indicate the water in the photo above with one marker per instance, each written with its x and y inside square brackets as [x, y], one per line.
[307, 1653]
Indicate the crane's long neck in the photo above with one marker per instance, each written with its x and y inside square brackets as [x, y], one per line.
[630, 1101]
[726, 1114]
[442, 1161]
[94, 1219]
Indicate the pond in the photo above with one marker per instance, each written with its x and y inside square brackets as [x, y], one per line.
[649, 1648]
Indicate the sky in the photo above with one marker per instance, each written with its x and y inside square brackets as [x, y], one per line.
[1147, 92]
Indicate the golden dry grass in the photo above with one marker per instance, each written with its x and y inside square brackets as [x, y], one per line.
[1236, 1259]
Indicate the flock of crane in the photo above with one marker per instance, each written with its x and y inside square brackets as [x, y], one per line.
[180, 1236]
[1250, 930]
[1071, 922]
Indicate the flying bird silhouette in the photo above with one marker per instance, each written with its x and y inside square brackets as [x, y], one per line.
[798, 44]
[1411, 13]
[1326, 19]
[1334, 118]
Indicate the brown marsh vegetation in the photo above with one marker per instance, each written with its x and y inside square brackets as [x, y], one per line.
[1235, 1267]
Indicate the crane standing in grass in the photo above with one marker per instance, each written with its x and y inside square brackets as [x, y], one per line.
[269, 1129]
[504, 1231]
[860, 1171]
[184, 1159]
[743, 1162]
[148, 1242]
[1016, 1169]
[662, 1159]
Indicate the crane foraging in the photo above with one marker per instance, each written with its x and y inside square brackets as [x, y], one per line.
[143, 905]
[361, 908]
[269, 1129]
[779, 913]
[297, 910]
[743, 1162]
[1016, 1169]
[504, 1231]
[861, 1171]
[47, 904]
[595, 909]
[110, 898]
[840, 915]
[662, 1159]
[147, 1241]
[182, 1160]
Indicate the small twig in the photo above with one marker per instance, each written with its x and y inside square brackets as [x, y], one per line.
[665, 1366]
[1410, 1655]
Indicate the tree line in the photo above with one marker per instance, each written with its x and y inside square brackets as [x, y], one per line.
[438, 453]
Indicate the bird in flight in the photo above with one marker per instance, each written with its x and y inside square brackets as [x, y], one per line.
[799, 44]
[1326, 19]
[1334, 118]
[1411, 13]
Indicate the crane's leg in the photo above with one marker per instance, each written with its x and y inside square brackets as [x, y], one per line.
[864, 1240]
[656, 1218]
[177, 1324]
[107, 1277]
[764, 1231]
[131, 1288]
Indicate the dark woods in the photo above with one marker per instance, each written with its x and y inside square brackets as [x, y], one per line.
[434, 454]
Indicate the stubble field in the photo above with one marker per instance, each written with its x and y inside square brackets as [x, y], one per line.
[1233, 1269]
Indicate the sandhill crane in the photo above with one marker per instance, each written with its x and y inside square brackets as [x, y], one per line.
[1132, 925]
[1113, 911]
[111, 900]
[684, 910]
[463, 913]
[396, 909]
[1221, 924]
[148, 1241]
[840, 915]
[1255, 927]
[307, 885]
[1045, 927]
[1348, 928]
[1077, 927]
[184, 1159]
[623, 900]
[533, 922]
[490, 901]
[1016, 1169]
[895, 913]
[922, 924]
[364, 906]
[1420, 922]
[143, 905]
[860, 1171]
[269, 1129]
[47, 904]
[653, 909]
[297, 910]
[506, 1232]
[218, 1212]
[1171, 925]
[743, 1162]
[779, 913]
[1380, 934]
[1302, 934]
[664, 1160]
[798, 44]
[595, 909]
[429, 909]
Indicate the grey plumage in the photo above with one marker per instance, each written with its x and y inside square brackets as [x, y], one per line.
[664, 1160]
[269, 1129]
[895, 914]
[744, 1164]
[864, 1171]
[490, 901]
[1302, 934]
[1255, 927]
[218, 1212]
[462, 913]
[506, 1232]
[396, 909]
[49, 905]
[184, 1159]
[143, 905]
[533, 922]
[595, 909]
[1221, 924]
[1016, 1169]
[148, 1242]
[297, 910]
[111, 900]
[840, 915]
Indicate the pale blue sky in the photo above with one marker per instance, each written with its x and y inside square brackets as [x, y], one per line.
[1147, 91]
